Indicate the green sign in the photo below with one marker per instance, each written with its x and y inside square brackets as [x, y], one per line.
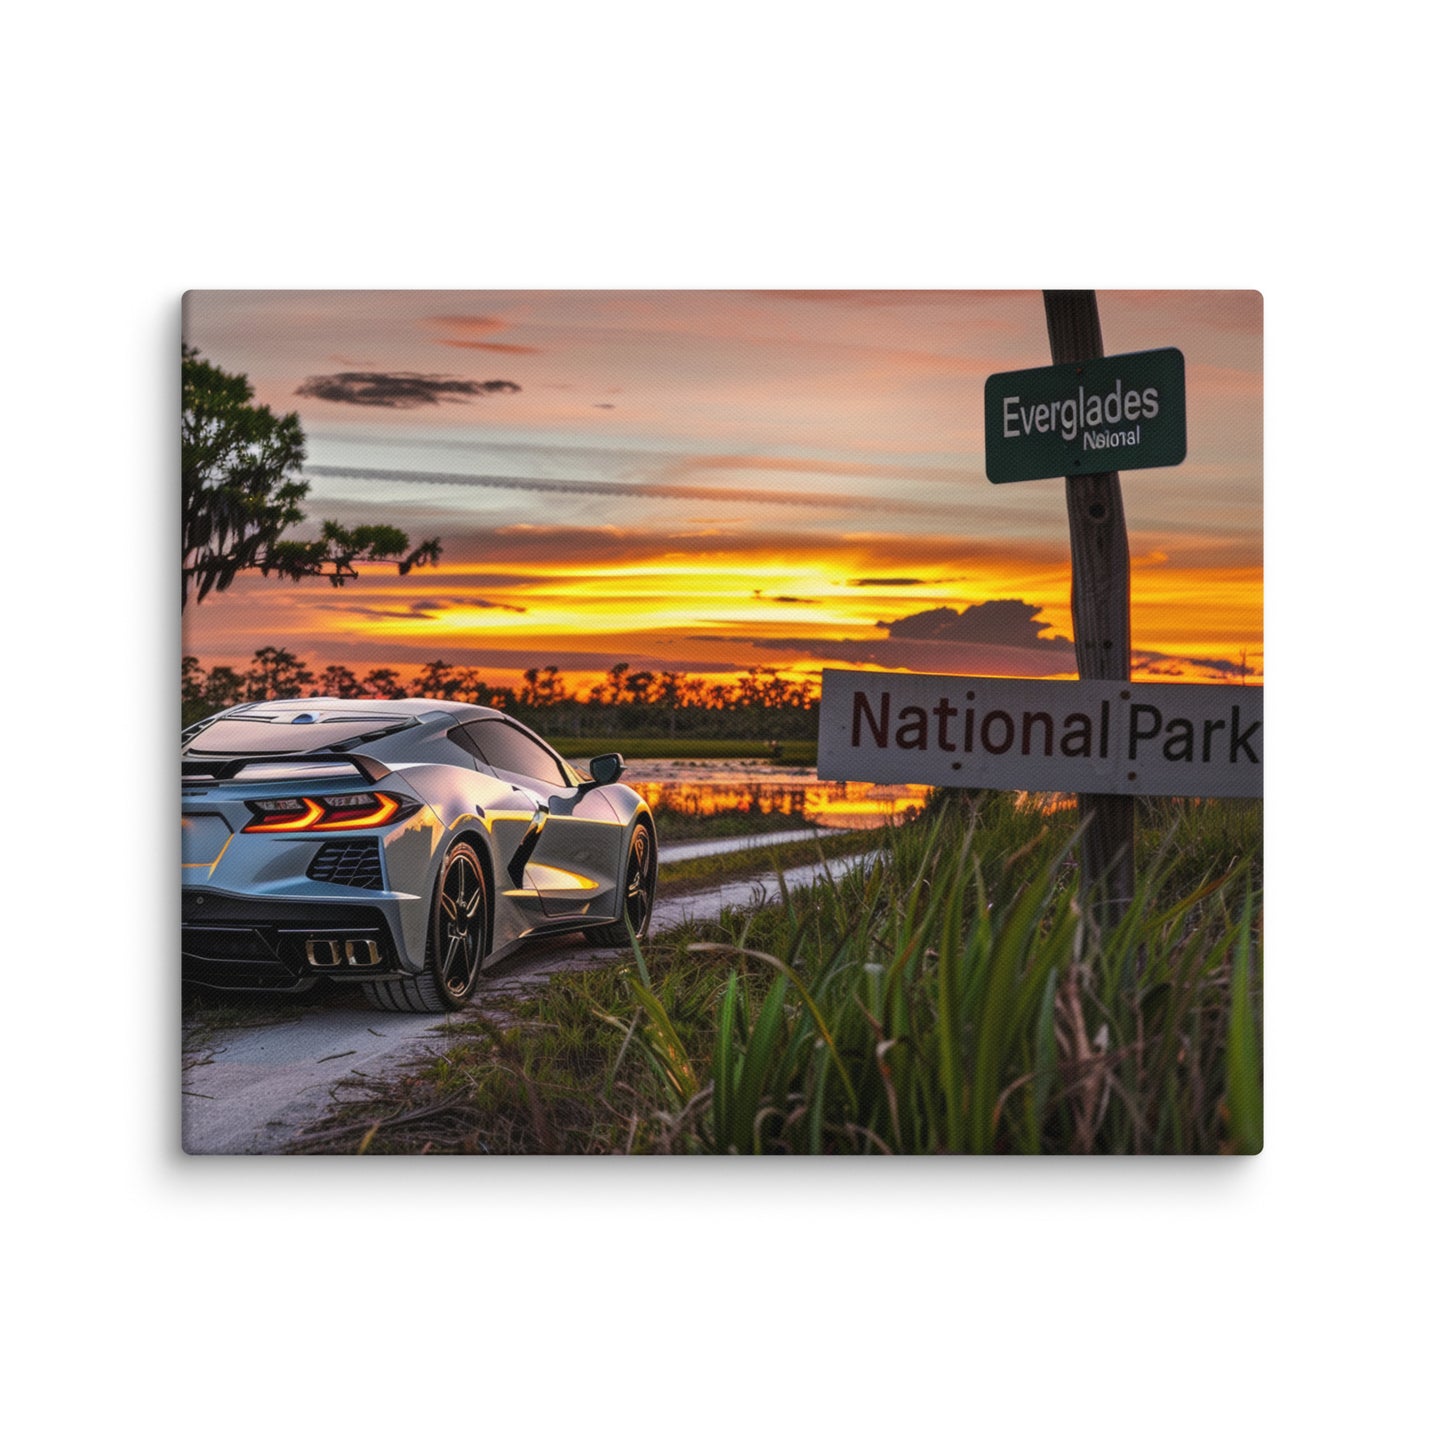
[1113, 414]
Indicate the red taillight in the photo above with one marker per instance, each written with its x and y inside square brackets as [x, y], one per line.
[359, 810]
[285, 815]
[323, 815]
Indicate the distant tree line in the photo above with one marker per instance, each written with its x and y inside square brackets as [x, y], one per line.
[759, 704]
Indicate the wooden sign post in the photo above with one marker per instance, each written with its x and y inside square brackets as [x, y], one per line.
[1082, 418]
[1103, 643]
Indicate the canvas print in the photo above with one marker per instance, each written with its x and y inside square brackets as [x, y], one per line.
[722, 722]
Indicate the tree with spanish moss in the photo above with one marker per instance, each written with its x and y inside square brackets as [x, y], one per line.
[241, 495]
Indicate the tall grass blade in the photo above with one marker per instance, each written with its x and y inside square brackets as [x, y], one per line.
[724, 1052]
[664, 1048]
[1006, 962]
[767, 1031]
[1243, 1074]
[1046, 1064]
[951, 1028]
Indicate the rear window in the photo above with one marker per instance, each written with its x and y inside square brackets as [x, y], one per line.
[245, 735]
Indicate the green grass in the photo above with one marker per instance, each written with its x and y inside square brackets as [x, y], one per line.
[974, 1015]
[945, 997]
[796, 753]
[693, 873]
[679, 823]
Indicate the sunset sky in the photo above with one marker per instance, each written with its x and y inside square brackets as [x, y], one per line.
[712, 481]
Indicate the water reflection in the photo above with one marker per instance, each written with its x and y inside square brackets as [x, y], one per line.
[786, 796]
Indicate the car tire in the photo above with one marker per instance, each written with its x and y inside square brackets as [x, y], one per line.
[456, 942]
[639, 888]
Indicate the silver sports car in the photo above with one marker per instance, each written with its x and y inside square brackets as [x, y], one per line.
[399, 844]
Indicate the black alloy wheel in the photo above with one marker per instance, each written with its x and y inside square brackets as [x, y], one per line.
[456, 942]
[641, 879]
[639, 884]
[459, 926]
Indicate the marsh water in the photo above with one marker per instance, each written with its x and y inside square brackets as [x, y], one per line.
[780, 797]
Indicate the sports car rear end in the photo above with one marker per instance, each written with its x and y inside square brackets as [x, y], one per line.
[298, 866]
[402, 844]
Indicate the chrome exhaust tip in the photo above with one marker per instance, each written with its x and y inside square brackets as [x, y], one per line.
[332, 956]
[332, 952]
[372, 955]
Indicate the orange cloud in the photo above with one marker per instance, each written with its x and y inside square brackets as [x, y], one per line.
[468, 323]
[470, 327]
[502, 346]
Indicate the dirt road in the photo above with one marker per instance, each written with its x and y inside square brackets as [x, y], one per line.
[251, 1084]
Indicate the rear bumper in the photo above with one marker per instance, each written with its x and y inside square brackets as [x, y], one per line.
[229, 941]
[264, 910]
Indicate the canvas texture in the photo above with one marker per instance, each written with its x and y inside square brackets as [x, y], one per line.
[721, 722]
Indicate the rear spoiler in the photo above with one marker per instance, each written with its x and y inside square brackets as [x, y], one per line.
[221, 768]
[224, 765]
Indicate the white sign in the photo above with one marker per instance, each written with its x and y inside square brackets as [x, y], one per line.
[1170, 739]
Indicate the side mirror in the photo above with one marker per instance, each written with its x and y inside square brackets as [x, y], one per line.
[606, 769]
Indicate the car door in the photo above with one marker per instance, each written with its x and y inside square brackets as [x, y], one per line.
[570, 855]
